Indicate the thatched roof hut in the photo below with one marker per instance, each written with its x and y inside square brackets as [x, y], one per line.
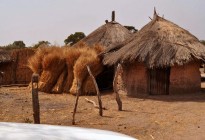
[161, 58]
[108, 35]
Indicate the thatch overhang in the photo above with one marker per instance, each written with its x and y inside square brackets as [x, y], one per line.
[5, 56]
[160, 43]
[108, 35]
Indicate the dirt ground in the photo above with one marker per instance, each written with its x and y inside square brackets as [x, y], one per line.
[152, 117]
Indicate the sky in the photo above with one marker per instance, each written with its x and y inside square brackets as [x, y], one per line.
[54, 20]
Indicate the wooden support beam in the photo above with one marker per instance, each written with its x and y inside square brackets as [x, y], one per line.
[98, 92]
[35, 99]
[117, 96]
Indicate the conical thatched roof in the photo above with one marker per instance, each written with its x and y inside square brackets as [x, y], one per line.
[160, 43]
[108, 35]
[4, 56]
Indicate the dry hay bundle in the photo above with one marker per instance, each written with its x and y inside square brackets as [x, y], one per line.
[58, 88]
[71, 55]
[87, 58]
[88, 87]
[53, 65]
[35, 62]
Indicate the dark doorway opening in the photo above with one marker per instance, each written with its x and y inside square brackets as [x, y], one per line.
[158, 81]
[105, 79]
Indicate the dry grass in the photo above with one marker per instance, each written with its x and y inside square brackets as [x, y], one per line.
[58, 88]
[61, 68]
[88, 58]
[52, 65]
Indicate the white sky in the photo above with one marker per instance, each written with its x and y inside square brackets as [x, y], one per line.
[53, 20]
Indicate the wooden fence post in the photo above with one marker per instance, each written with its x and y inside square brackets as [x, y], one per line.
[35, 100]
[98, 92]
[79, 89]
[117, 96]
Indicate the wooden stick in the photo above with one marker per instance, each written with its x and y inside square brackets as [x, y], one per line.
[94, 104]
[35, 99]
[98, 92]
[76, 102]
[119, 102]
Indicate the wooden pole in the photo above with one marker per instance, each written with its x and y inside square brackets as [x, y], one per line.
[119, 102]
[35, 99]
[98, 92]
[76, 102]
[113, 15]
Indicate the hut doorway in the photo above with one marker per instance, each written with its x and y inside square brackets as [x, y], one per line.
[159, 79]
[105, 79]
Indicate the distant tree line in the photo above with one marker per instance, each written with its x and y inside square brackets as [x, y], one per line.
[70, 40]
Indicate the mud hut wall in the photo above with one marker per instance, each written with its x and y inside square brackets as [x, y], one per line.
[185, 79]
[134, 77]
[8, 73]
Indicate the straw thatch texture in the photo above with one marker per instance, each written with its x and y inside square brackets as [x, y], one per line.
[35, 62]
[107, 35]
[52, 65]
[58, 88]
[88, 87]
[160, 43]
[71, 55]
[60, 68]
[88, 58]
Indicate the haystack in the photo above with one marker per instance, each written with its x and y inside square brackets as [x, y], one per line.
[58, 88]
[52, 64]
[89, 57]
[71, 55]
[162, 58]
[35, 62]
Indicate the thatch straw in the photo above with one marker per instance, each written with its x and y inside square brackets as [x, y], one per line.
[88, 87]
[71, 55]
[91, 59]
[58, 88]
[160, 43]
[107, 35]
[53, 65]
[35, 62]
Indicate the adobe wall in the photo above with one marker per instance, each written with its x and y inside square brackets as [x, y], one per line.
[185, 79]
[135, 78]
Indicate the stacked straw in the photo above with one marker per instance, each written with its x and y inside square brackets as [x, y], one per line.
[60, 68]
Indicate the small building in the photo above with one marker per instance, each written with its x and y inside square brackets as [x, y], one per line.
[13, 64]
[108, 35]
[161, 58]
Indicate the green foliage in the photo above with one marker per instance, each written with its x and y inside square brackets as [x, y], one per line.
[16, 45]
[203, 42]
[41, 43]
[131, 28]
[74, 38]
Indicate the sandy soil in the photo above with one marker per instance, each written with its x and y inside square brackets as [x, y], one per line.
[152, 117]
